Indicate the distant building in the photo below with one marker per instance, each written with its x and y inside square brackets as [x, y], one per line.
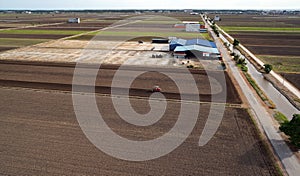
[74, 20]
[194, 13]
[188, 11]
[217, 18]
[190, 22]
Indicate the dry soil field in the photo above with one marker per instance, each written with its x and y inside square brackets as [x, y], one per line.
[40, 134]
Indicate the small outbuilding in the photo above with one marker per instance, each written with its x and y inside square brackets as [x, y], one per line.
[74, 20]
[217, 18]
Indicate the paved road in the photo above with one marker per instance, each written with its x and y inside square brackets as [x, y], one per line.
[287, 84]
[288, 159]
[282, 103]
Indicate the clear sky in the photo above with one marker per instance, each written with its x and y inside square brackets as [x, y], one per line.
[149, 4]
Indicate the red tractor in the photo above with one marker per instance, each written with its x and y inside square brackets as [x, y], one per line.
[156, 89]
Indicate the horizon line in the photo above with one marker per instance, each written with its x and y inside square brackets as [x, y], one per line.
[18, 9]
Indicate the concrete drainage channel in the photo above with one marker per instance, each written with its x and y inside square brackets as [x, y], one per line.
[282, 103]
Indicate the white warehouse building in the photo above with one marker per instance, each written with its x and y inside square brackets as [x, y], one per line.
[74, 20]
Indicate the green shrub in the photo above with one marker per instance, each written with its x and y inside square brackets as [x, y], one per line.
[235, 42]
[241, 61]
[268, 68]
[244, 68]
[236, 57]
[292, 129]
[281, 118]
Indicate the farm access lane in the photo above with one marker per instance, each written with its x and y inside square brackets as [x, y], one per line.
[287, 84]
[283, 103]
[287, 158]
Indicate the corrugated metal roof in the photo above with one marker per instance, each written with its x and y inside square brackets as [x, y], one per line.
[197, 48]
[179, 41]
[201, 42]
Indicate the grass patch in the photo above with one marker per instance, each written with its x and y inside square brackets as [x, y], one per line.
[244, 68]
[158, 22]
[259, 92]
[14, 42]
[145, 34]
[206, 36]
[256, 87]
[260, 29]
[287, 64]
[281, 118]
[25, 31]
[158, 34]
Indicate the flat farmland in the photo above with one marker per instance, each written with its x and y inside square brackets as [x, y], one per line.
[39, 132]
[16, 38]
[18, 30]
[148, 25]
[17, 20]
[41, 136]
[292, 77]
[60, 77]
[274, 39]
